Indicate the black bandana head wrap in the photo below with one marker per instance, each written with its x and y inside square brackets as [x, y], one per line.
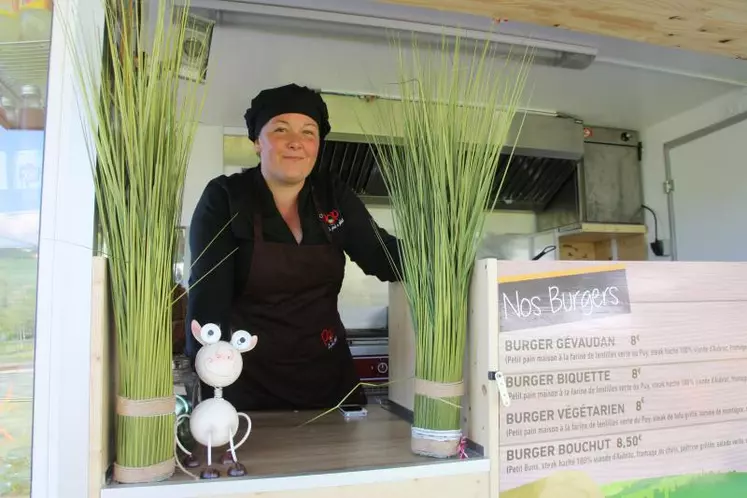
[286, 99]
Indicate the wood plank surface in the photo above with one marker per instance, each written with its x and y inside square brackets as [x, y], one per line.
[655, 282]
[401, 348]
[280, 446]
[101, 412]
[452, 486]
[708, 26]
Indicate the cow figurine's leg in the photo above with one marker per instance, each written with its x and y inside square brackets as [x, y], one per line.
[209, 472]
[237, 469]
[191, 462]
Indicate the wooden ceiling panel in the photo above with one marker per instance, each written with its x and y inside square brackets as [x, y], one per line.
[708, 26]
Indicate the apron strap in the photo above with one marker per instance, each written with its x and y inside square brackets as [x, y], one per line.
[256, 212]
[257, 222]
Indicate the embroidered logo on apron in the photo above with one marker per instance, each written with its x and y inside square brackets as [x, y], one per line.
[333, 220]
[329, 338]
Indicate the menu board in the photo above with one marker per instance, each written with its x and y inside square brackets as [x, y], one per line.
[615, 398]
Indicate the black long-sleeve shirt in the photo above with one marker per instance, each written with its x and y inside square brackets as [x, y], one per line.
[221, 238]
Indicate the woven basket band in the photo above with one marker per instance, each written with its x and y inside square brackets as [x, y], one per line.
[438, 389]
[437, 444]
[152, 473]
[154, 407]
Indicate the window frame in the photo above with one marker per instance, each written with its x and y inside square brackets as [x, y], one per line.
[62, 363]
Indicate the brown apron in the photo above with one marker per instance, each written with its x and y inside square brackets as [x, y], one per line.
[302, 359]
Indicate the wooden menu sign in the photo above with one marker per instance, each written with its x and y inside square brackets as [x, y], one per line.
[625, 381]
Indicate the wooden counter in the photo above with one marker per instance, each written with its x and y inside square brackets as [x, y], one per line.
[328, 458]
[281, 446]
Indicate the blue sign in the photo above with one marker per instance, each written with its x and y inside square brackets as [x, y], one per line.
[21, 160]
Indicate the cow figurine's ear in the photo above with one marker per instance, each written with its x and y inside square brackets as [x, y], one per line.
[207, 334]
[243, 341]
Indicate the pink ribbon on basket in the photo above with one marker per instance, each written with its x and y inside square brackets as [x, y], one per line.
[463, 448]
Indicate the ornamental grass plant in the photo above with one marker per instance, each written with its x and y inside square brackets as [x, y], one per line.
[141, 119]
[452, 124]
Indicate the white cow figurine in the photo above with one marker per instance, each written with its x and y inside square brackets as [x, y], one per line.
[214, 421]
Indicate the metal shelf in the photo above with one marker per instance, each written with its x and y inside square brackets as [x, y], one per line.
[23, 63]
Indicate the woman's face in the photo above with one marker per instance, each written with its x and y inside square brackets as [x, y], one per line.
[287, 146]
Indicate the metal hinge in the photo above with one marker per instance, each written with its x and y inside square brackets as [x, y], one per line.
[668, 186]
[502, 390]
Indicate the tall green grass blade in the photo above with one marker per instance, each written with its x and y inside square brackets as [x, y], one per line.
[142, 118]
[454, 119]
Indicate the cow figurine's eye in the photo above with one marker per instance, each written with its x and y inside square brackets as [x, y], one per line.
[210, 333]
[243, 340]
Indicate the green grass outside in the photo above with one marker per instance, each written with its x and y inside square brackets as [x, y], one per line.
[18, 270]
[15, 453]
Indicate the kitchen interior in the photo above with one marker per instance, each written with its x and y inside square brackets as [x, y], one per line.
[576, 185]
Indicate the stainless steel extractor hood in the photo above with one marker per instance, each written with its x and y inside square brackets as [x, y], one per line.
[545, 155]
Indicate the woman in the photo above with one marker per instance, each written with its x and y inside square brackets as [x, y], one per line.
[277, 267]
